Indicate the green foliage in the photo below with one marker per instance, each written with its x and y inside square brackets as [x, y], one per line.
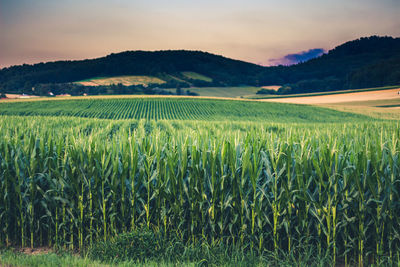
[10, 258]
[179, 109]
[264, 91]
[138, 246]
[196, 76]
[220, 256]
[255, 186]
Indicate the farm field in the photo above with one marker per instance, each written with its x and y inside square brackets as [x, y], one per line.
[128, 80]
[391, 94]
[158, 108]
[264, 178]
[224, 92]
[386, 109]
[381, 103]
[341, 92]
[196, 76]
[272, 87]
[124, 80]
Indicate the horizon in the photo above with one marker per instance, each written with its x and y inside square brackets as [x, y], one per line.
[268, 34]
[287, 60]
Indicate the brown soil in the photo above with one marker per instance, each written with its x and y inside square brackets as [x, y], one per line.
[272, 87]
[34, 251]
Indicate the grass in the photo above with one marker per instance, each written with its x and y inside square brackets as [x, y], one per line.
[380, 109]
[233, 92]
[196, 76]
[10, 258]
[125, 80]
[324, 93]
[178, 109]
[306, 259]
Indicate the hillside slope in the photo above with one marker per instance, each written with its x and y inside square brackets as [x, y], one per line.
[366, 62]
[161, 64]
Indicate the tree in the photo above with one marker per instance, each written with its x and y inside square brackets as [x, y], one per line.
[178, 90]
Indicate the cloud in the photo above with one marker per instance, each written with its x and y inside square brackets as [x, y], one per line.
[303, 56]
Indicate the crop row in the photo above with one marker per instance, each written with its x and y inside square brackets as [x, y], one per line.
[177, 109]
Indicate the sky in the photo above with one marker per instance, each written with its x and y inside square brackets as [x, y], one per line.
[266, 32]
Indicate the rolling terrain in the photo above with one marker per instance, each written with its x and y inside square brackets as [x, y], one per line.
[366, 62]
[198, 179]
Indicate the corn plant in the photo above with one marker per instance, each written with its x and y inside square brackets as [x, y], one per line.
[260, 186]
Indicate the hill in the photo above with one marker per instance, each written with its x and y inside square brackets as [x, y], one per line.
[366, 62]
[176, 68]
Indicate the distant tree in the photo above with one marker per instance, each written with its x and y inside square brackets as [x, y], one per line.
[188, 92]
[178, 90]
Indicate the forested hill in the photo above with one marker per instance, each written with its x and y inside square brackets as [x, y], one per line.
[365, 62]
[223, 71]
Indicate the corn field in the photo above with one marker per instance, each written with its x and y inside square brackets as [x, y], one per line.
[177, 109]
[264, 186]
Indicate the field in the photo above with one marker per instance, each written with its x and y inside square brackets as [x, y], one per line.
[272, 87]
[343, 93]
[230, 92]
[177, 108]
[124, 80]
[380, 103]
[391, 94]
[261, 178]
[196, 76]
[139, 79]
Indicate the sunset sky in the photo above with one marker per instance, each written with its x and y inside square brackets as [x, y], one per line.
[261, 31]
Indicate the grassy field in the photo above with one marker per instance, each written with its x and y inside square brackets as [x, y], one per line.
[231, 92]
[217, 182]
[341, 92]
[381, 103]
[12, 258]
[381, 109]
[196, 76]
[178, 109]
[139, 79]
[125, 80]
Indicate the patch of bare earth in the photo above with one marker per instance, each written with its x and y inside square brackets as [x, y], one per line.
[34, 251]
[272, 87]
